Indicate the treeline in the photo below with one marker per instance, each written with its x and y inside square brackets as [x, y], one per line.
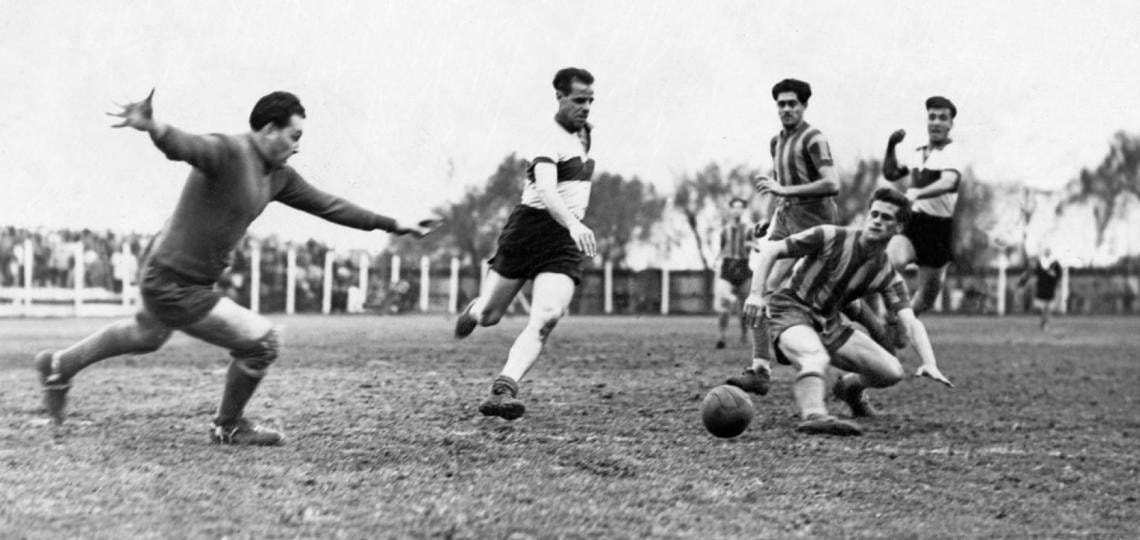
[629, 213]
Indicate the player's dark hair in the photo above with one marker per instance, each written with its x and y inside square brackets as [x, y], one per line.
[895, 197]
[278, 108]
[939, 102]
[801, 89]
[565, 78]
[735, 200]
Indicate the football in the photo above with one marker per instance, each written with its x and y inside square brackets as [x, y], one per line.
[726, 411]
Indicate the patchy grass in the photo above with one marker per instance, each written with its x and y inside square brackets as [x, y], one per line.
[1038, 440]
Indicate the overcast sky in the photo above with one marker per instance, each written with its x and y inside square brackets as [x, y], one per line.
[409, 101]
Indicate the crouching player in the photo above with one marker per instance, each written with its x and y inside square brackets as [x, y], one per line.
[805, 323]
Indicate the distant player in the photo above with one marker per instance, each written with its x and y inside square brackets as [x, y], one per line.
[805, 184]
[234, 177]
[807, 328]
[732, 280]
[544, 240]
[935, 172]
[1046, 274]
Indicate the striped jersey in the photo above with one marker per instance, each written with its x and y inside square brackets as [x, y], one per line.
[569, 152]
[798, 156]
[835, 269]
[735, 240]
[926, 165]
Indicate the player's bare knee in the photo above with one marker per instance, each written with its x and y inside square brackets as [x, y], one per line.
[256, 357]
[545, 319]
[887, 374]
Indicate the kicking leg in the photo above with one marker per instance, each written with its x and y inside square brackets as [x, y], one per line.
[138, 335]
[489, 307]
[551, 298]
[758, 376]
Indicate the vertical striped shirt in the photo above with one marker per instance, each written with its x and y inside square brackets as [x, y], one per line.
[734, 240]
[798, 156]
[835, 269]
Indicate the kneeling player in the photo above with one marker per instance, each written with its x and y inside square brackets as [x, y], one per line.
[806, 326]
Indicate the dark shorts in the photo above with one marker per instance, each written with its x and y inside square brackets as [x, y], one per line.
[793, 216]
[174, 299]
[532, 243]
[932, 238]
[1046, 295]
[786, 311]
[735, 271]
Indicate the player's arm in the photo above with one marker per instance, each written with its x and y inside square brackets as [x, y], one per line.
[891, 169]
[827, 184]
[301, 195]
[947, 182]
[546, 185]
[757, 300]
[916, 332]
[201, 151]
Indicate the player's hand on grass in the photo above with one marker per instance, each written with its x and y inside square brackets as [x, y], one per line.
[421, 229]
[755, 306]
[932, 372]
[139, 115]
[896, 137]
[768, 185]
[584, 239]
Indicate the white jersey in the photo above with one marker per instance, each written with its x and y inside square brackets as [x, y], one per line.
[927, 164]
[569, 152]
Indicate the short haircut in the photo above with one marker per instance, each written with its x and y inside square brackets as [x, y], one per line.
[895, 197]
[939, 102]
[802, 89]
[743, 202]
[277, 108]
[565, 78]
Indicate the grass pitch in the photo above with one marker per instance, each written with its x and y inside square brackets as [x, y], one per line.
[384, 440]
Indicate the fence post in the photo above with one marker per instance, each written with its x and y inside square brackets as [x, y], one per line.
[608, 287]
[29, 263]
[664, 290]
[425, 283]
[128, 267]
[255, 277]
[1064, 307]
[395, 277]
[484, 268]
[79, 273]
[291, 280]
[937, 307]
[326, 298]
[1003, 263]
[365, 262]
[453, 288]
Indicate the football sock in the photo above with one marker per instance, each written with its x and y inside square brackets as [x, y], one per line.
[526, 349]
[505, 385]
[239, 388]
[761, 348]
[808, 390]
[114, 339]
[853, 382]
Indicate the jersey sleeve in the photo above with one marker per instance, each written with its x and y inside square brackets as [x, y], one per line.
[894, 292]
[809, 241]
[301, 195]
[819, 150]
[204, 152]
[544, 150]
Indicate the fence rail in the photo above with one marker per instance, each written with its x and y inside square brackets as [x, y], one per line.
[268, 281]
